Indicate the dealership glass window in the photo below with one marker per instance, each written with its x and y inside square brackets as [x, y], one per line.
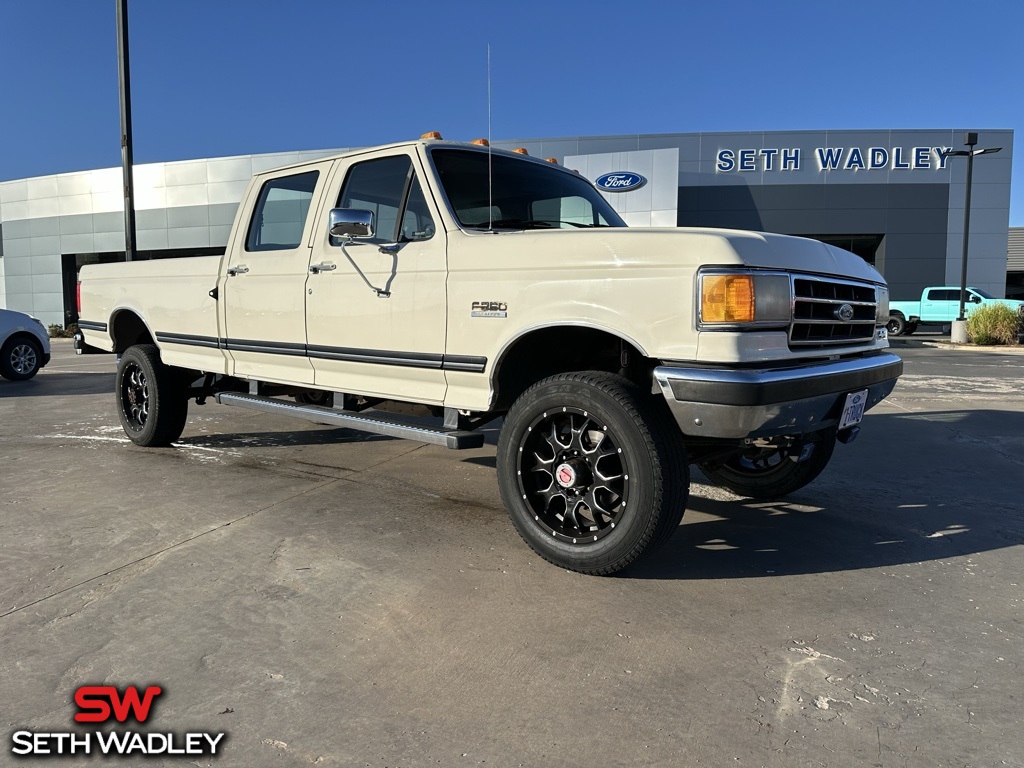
[280, 214]
[383, 187]
[865, 246]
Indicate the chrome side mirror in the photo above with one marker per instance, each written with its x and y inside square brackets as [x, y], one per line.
[350, 222]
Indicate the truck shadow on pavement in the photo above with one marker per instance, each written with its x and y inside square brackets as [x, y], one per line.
[60, 384]
[760, 539]
[959, 496]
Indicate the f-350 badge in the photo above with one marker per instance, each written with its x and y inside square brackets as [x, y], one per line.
[489, 309]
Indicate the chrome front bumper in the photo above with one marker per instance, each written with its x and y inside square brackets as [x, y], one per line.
[739, 403]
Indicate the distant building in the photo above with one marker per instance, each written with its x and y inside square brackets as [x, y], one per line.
[1015, 264]
[886, 195]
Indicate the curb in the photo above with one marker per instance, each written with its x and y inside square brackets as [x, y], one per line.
[937, 344]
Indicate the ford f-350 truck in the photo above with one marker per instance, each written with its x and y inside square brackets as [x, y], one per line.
[474, 284]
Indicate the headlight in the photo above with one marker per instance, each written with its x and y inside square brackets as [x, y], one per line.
[882, 310]
[730, 298]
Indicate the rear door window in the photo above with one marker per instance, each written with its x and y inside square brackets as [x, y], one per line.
[280, 214]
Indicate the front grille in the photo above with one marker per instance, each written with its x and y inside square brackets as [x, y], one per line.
[817, 312]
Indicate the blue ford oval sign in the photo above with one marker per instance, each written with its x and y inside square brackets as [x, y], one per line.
[620, 181]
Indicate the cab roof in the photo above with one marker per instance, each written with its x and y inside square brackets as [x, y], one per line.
[426, 143]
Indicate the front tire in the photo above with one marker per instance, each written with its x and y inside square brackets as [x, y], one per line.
[896, 325]
[772, 472]
[152, 397]
[593, 476]
[20, 359]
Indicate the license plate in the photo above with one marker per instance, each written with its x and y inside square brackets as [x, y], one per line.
[853, 409]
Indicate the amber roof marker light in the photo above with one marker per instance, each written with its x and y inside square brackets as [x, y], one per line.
[431, 135]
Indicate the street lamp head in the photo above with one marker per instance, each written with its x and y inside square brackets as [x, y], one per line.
[971, 138]
[970, 152]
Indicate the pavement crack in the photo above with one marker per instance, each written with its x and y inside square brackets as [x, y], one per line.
[168, 548]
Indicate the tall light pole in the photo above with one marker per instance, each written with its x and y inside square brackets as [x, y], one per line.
[124, 83]
[970, 140]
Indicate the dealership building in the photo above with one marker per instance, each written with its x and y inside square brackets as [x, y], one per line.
[887, 195]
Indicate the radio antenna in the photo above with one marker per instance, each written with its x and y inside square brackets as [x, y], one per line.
[490, 183]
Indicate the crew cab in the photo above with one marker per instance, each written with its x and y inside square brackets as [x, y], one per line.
[469, 284]
[939, 305]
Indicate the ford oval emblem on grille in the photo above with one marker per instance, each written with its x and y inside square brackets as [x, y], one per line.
[620, 181]
[844, 312]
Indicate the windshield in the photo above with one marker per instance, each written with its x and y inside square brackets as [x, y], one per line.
[983, 294]
[520, 195]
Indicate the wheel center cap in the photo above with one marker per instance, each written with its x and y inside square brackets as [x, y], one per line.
[572, 474]
[566, 476]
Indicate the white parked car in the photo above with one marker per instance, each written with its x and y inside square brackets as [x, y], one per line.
[24, 345]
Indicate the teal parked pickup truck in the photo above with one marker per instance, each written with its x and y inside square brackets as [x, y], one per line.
[939, 305]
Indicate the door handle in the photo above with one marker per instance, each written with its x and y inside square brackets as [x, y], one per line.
[240, 270]
[325, 267]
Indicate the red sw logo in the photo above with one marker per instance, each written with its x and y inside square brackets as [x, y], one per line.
[96, 703]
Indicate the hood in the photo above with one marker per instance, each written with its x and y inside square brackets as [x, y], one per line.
[796, 254]
[691, 247]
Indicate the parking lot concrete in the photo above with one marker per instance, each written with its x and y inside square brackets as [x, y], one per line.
[330, 598]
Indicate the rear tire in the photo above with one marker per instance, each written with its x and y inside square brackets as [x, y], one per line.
[771, 474]
[20, 358]
[593, 476]
[152, 398]
[316, 397]
[911, 327]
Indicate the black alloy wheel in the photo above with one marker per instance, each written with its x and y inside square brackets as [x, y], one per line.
[573, 475]
[134, 395]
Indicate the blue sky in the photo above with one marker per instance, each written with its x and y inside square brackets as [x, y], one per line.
[226, 77]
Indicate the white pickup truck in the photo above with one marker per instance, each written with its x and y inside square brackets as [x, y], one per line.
[477, 283]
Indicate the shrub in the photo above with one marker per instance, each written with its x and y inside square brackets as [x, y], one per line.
[994, 324]
[57, 331]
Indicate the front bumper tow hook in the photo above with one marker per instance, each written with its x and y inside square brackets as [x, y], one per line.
[847, 436]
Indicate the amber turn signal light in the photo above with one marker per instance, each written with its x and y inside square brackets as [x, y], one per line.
[727, 299]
